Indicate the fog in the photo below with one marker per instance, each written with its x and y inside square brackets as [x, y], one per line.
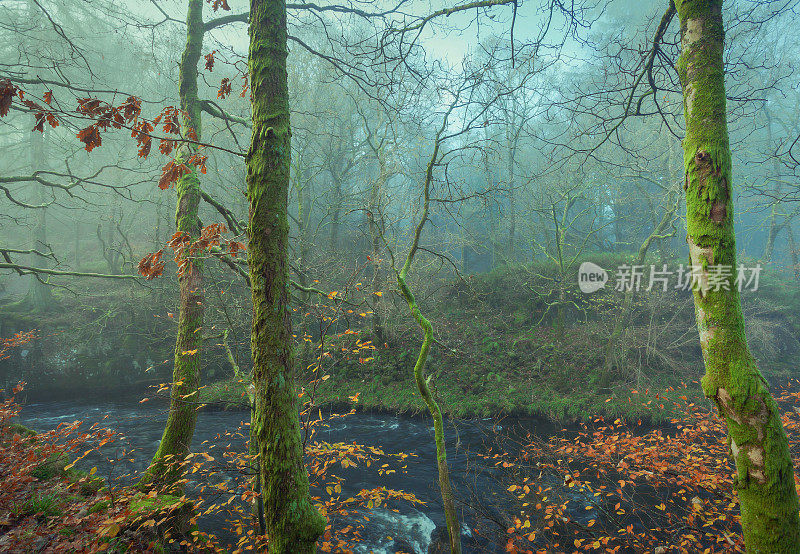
[505, 182]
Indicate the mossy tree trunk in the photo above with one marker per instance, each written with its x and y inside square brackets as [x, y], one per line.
[165, 471]
[422, 381]
[764, 476]
[292, 522]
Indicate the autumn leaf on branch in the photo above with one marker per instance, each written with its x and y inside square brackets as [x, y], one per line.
[132, 108]
[165, 146]
[141, 133]
[217, 4]
[151, 265]
[41, 115]
[199, 162]
[224, 88]
[7, 93]
[90, 137]
[171, 173]
[235, 247]
[210, 60]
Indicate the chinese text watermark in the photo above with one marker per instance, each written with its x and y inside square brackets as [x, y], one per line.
[592, 277]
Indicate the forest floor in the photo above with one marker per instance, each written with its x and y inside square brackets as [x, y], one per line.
[48, 506]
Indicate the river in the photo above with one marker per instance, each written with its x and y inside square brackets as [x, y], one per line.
[412, 528]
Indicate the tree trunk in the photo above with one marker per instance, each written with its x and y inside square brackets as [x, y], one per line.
[337, 211]
[793, 252]
[292, 522]
[769, 247]
[376, 230]
[774, 227]
[764, 474]
[39, 297]
[166, 468]
[512, 214]
[423, 382]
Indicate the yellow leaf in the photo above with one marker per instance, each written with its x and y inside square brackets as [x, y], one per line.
[93, 471]
[111, 530]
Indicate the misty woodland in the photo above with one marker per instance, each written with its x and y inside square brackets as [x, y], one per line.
[400, 276]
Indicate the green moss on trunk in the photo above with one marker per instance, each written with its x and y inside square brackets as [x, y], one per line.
[422, 382]
[166, 468]
[764, 473]
[292, 523]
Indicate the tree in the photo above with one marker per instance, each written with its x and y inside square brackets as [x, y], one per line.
[765, 476]
[178, 432]
[292, 522]
[422, 381]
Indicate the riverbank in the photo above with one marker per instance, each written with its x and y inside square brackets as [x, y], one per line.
[506, 343]
[402, 398]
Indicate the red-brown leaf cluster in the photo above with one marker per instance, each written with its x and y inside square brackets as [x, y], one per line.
[90, 137]
[224, 88]
[41, 115]
[217, 4]
[210, 60]
[105, 115]
[7, 93]
[16, 340]
[185, 249]
[170, 174]
[141, 132]
[151, 265]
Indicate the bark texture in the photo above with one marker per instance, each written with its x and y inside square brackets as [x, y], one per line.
[764, 474]
[292, 522]
[166, 469]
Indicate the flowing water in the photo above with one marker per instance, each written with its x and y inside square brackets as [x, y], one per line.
[413, 528]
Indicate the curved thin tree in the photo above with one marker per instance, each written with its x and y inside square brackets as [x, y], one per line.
[423, 381]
